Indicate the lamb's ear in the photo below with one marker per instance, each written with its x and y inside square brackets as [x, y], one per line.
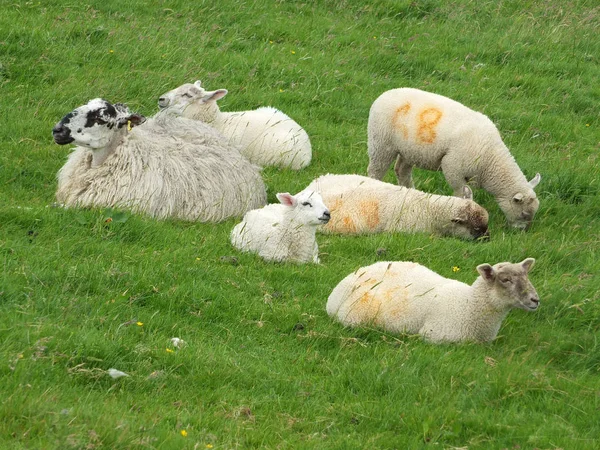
[518, 198]
[486, 271]
[467, 193]
[287, 199]
[132, 120]
[527, 264]
[198, 84]
[213, 96]
[535, 181]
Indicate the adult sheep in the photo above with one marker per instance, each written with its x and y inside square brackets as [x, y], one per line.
[362, 205]
[405, 297]
[123, 162]
[285, 231]
[421, 129]
[266, 136]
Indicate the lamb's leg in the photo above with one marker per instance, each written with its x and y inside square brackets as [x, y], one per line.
[379, 164]
[403, 173]
[454, 174]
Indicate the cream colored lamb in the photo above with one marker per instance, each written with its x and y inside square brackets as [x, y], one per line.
[266, 136]
[405, 297]
[421, 129]
[363, 205]
[285, 231]
[120, 161]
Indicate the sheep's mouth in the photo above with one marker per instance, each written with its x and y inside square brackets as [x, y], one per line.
[533, 306]
[63, 139]
[323, 219]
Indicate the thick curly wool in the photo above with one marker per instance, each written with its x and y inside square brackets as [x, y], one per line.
[191, 174]
[421, 129]
[266, 136]
[283, 232]
[405, 297]
[363, 205]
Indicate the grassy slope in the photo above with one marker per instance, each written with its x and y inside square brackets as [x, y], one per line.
[265, 366]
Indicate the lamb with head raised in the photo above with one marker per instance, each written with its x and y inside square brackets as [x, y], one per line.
[421, 129]
[123, 160]
[406, 297]
[284, 231]
[266, 136]
[361, 205]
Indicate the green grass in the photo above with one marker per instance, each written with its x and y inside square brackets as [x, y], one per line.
[264, 366]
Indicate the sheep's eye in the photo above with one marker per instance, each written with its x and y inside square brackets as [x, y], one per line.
[99, 121]
[505, 280]
[307, 204]
[185, 94]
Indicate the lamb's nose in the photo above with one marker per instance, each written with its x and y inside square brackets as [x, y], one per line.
[327, 214]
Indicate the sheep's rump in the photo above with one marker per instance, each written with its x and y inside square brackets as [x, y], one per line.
[165, 177]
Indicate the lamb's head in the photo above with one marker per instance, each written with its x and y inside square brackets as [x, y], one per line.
[95, 125]
[306, 206]
[520, 207]
[510, 284]
[193, 101]
[469, 220]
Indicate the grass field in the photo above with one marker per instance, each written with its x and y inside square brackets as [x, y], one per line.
[264, 366]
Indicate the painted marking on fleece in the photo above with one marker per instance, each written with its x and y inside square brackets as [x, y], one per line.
[400, 118]
[369, 209]
[427, 121]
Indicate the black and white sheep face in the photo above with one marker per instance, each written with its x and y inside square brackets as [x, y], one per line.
[191, 95]
[95, 124]
[308, 207]
[512, 283]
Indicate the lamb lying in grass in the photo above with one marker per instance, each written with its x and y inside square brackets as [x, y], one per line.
[405, 297]
[120, 161]
[421, 129]
[283, 232]
[266, 136]
[363, 205]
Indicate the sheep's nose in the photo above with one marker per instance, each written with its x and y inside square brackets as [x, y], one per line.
[325, 217]
[162, 102]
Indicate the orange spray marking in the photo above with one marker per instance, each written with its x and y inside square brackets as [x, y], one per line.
[369, 209]
[400, 118]
[427, 121]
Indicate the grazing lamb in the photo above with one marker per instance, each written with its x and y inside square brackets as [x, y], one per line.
[283, 232]
[191, 174]
[417, 128]
[363, 205]
[405, 297]
[266, 136]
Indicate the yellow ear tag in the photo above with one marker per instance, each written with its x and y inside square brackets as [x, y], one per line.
[129, 125]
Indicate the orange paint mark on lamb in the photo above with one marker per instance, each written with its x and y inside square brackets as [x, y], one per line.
[340, 222]
[369, 209]
[347, 225]
[427, 121]
[400, 118]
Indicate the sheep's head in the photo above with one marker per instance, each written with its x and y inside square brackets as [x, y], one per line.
[308, 207]
[511, 283]
[470, 221]
[520, 208]
[95, 125]
[193, 101]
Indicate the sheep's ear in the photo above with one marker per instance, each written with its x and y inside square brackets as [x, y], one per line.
[527, 264]
[198, 84]
[487, 272]
[287, 199]
[535, 181]
[467, 193]
[132, 120]
[214, 95]
[518, 198]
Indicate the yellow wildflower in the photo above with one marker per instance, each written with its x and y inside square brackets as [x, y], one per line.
[169, 350]
[183, 433]
[139, 324]
[111, 51]
[455, 268]
[209, 446]
[293, 52]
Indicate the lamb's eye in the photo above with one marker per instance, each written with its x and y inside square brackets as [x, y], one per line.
[186, 95]
[307, 204]
[99, 121]
[505, 280]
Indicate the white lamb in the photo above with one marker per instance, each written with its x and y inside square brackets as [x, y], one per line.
[283, 232]
[266, 136]
[421, 129]
[363, 205]
[405, 297]
[191, 174]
